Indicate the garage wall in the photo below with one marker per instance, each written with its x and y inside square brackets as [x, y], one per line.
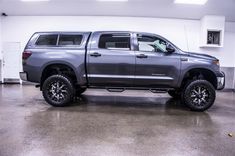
[0, 49]
[184, 33]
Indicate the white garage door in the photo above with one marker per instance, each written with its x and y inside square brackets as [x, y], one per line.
[11, 61]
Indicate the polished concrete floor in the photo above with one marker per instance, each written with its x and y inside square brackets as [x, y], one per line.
[113, 124]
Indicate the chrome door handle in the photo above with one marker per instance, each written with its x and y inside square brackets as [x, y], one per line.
[141, 56]
[184, 59]
[95, 54]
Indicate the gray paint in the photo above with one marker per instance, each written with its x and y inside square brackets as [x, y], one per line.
[117, 62]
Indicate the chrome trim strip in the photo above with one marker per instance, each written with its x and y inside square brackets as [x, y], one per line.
[129, 77]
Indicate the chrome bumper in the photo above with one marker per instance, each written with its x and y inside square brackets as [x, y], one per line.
[23, 76]
[221, 82]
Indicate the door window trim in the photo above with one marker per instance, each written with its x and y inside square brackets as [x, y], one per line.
[152, 35]
[117, 49]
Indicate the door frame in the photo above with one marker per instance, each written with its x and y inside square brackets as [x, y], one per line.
[3, 61]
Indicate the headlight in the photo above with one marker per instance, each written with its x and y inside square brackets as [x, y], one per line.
[216, 62]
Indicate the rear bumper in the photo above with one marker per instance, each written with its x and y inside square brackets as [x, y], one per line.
[221, 81]
[23, 76]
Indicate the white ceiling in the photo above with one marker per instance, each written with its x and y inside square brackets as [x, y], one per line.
[141, 8]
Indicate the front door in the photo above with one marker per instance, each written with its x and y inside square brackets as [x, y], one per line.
[111, 60]
[155, 67]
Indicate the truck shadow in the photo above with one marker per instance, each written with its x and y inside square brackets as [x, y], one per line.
[125, 101]
[127, 104]
[162, 107]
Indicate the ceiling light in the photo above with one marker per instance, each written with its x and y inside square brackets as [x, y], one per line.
[112, 0]
[196, 2]
[35, 0]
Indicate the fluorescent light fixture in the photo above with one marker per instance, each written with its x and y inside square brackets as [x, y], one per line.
[112, 0]
[196, 2]
[34, 0]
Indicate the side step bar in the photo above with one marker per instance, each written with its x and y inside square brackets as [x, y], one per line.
[37, 86]
[123, 89]
[158, 90]
[115, 90]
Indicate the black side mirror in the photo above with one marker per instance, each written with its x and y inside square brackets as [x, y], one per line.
[170, 49]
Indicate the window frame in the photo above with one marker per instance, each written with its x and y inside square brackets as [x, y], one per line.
[151, 35]
[45, 35]
[116, 49]
[70, 46]
[57, 41]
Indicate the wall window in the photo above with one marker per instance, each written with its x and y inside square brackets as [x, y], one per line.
[151, 44]
[115, 41]
[47, 40]
[70, 40]
[213, 37]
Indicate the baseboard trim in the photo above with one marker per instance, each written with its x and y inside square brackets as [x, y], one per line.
[11, 81]
[228, 90]
[28, 83]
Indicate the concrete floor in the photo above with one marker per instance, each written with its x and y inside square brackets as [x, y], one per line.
[103, 123]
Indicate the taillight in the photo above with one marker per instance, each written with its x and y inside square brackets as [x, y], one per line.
[26, 55]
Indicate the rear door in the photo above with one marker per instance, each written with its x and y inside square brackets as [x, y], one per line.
[155, 67]
[111, 59]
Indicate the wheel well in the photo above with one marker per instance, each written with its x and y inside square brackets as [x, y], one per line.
[200, 73]
[58, 69]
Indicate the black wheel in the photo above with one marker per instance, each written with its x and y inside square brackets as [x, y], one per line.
[58, 90]
[199, 95]
[79, 91]
[174, 93]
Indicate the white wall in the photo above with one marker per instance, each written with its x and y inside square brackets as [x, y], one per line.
[184, 33]
[0, 49]
[0, 38]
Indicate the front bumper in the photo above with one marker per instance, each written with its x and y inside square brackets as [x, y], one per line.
[23, 76]
[221, 81]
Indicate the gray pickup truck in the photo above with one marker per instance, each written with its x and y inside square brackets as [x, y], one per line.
[65, 64]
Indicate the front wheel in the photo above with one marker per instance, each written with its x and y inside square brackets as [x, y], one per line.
[58, 90]
[199, 95]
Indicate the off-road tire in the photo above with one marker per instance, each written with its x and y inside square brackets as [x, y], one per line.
[58, 90]
[199, 95]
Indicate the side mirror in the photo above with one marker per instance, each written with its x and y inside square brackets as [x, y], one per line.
[170, 49]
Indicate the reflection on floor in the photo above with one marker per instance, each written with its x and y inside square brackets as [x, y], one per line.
[103, 123]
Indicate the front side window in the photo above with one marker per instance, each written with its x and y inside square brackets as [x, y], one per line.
[151, 44]
[47, 40]
[115, 41]
[70, 40]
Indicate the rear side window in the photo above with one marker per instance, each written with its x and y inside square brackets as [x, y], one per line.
[70, 40]
[47, 40]
[115, 41]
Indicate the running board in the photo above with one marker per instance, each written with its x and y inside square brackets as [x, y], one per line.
[158, 90]
[115, 90]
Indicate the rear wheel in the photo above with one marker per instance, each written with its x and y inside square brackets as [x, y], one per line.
[199, 95]
[58, 90]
